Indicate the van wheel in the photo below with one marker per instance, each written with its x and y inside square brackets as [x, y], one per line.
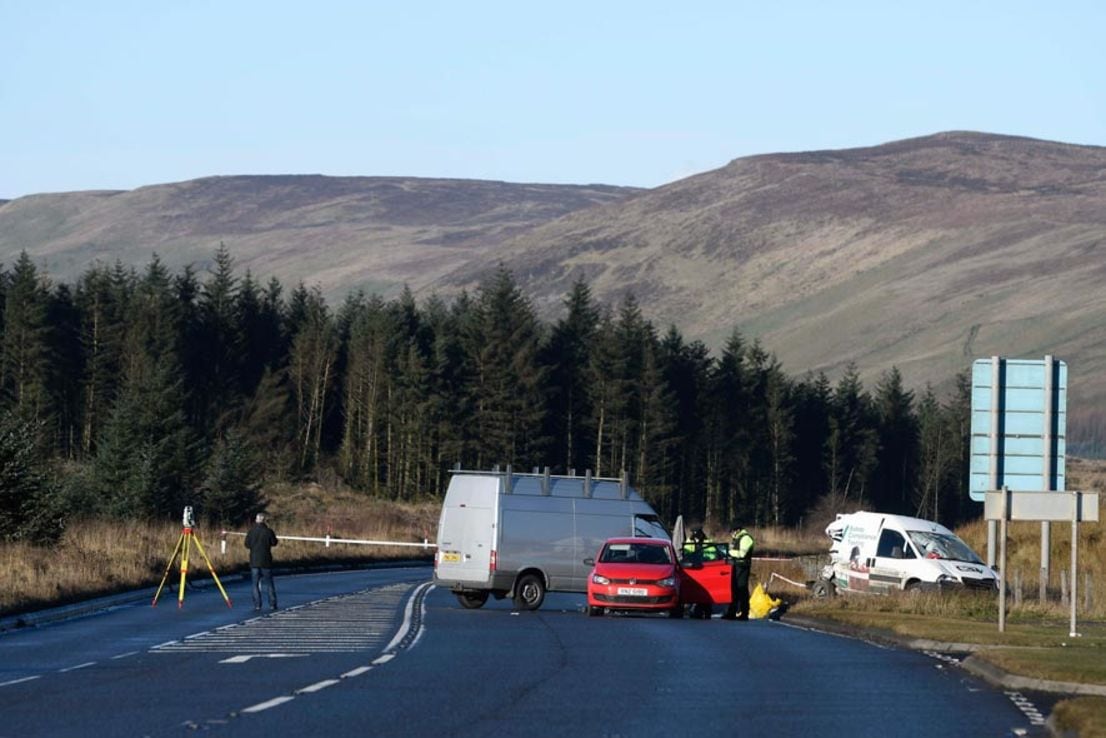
[594, 611]
[472, 600]
[529, 592]
[824, 588]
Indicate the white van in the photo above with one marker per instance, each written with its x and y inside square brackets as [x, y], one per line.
[521, 535]
[878, 553]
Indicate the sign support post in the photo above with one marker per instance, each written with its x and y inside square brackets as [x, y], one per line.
[1045, 505]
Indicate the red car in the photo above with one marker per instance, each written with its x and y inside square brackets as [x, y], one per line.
[635, 574]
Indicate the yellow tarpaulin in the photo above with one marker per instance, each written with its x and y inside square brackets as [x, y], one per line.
[761, 603]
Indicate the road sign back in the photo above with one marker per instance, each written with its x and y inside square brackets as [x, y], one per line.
[1019, 418]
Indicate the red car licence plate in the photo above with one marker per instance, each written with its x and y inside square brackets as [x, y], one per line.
[633, 591]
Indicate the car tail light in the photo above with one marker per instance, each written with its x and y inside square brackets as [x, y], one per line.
[491, 562]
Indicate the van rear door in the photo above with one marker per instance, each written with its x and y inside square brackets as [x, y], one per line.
[467, 532]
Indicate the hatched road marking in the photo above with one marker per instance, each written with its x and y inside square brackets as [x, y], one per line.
[345, 624]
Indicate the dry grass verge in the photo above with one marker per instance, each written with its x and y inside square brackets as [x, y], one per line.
[98, 557]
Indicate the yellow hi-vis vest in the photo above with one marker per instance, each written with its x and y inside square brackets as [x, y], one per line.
[741, 549]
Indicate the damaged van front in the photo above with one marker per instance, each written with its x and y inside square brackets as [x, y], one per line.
[879, 553]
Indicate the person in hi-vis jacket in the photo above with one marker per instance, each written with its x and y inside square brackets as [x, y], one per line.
[741, 554]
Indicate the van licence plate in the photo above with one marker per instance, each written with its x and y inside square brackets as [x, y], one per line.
[633, 591]
[451, 557]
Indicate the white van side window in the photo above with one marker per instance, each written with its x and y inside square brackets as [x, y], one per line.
[892, 545]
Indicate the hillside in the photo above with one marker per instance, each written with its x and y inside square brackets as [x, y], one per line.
[925, 254]
[341, 233]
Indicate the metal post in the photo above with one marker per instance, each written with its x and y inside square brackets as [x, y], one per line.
[1074, 557]
[1002, 572]
[587, 483]
[545, 488]
[1047, 460]
[996, 364]
[223, 544]
[508, 481]
[623, 484]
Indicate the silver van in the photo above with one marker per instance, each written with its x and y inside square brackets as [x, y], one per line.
[522, 535]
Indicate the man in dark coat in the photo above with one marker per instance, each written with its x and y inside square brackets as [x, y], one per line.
[260, 541]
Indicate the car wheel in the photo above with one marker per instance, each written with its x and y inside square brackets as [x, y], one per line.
[594, 612]
[824, 588]
[529, 592]
[472, 600]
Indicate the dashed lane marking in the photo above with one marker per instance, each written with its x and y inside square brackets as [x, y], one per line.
[78, 666]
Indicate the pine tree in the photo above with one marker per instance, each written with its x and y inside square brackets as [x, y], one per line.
[850, 453]
[25, 352]
[231, 486]
[894, 483]
[147, 455]
[219, 345]
[570, 375]
[504, 346]
[29, 507]
[103, 298]
[728, 455]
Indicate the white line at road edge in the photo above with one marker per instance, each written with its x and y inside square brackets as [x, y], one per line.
[407, 612]
[20, 681]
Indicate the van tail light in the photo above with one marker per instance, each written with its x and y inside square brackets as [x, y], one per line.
[491, 562]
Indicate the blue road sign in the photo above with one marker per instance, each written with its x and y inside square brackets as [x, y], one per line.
[1027, 438]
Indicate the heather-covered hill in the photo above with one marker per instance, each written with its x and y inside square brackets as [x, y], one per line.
[925, 253]
[340, 233]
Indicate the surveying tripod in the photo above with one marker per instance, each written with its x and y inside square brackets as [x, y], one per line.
[184, 543]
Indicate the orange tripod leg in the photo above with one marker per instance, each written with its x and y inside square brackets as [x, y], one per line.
[200, 548]
[167, 568]
[184, 565]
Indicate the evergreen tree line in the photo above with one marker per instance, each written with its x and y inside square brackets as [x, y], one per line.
[132, 393]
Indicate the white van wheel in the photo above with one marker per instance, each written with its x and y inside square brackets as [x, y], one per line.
[472, 600]
[824, 588]
[529, 592]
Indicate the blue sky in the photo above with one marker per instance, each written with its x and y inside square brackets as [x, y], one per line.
[116, 95]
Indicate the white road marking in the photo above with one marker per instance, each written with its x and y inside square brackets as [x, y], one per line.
[124, 655]
[270, 703]
[317, 686]
[357, 672]
[20, 680]
[383, 659]
[78, 666]
[1027, 708]
[246, 657]
[344, 624]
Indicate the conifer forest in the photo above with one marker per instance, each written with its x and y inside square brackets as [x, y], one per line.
[134, 392]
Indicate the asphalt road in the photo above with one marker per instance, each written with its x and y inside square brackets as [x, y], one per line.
[383, 653]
